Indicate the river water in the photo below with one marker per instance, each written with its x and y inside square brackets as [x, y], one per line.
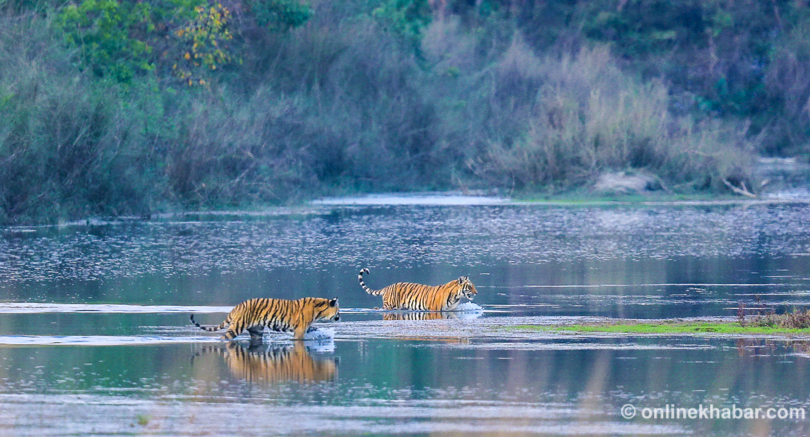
[95, 338]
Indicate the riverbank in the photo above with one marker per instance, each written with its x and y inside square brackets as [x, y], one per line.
[667, 327]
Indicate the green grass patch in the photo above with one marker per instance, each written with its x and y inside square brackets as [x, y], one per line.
[728, 328]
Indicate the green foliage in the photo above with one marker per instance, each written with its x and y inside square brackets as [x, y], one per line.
[405, 18]
[110, 36]
[714, 49]
[280, 15]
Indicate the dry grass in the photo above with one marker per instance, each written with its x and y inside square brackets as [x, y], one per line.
[761, 316]
[589, 117]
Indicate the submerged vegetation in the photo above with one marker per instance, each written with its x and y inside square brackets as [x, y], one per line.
[127, 107]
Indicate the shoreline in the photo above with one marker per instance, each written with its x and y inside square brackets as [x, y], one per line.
[431, 198]
[701, 327]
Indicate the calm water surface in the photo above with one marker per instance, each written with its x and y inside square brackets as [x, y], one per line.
[95, 339]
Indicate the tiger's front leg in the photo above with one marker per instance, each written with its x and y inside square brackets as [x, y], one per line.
[256, 333]
[299, 332]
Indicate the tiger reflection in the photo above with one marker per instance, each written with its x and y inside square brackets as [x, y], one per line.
[428, 315]
[263, 363]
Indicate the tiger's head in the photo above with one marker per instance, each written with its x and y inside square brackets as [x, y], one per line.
[332, 310]
[467, 288]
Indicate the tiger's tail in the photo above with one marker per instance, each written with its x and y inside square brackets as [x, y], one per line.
[222, 325]
[363, 284]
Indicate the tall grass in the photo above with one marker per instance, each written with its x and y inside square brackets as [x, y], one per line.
[67, 147]
[788, 87]
[589, 117]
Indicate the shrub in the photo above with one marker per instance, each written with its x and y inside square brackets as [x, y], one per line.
[280, 15]
[110, 36]
[204, 45]
[237, 152]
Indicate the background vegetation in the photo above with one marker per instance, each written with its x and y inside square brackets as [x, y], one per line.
[127, 107]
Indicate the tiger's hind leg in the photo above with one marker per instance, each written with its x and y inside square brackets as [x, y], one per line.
[233, 331]
[229, 335]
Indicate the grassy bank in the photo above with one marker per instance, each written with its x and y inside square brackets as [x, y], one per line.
[697, 328]
[126, 108]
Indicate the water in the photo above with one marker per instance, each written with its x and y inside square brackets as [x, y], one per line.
[95, 338]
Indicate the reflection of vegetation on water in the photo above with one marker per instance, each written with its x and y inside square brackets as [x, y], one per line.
[256, 362]
[759, 347]
[665, 327]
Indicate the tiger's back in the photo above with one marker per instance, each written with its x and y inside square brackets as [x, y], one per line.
[419, 297]
[281, 315]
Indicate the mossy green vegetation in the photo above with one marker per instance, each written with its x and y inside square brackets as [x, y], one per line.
[667, 327]
[120, 107]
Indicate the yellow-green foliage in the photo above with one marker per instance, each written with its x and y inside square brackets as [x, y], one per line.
[205, 39]
[124, 38]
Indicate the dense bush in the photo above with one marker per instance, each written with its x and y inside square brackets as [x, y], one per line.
[291, 100]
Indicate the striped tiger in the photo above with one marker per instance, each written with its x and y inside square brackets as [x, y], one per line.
[410, 296]
[282, 315]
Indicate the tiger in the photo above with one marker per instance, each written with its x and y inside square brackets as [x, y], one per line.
[418, 297]
[281, 315]
[268, 364]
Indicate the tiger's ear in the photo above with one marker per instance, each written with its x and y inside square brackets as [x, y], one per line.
[461, 279]
[333, 302]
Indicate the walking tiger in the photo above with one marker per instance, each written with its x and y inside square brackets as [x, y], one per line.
[282, 315]
[410, 296]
